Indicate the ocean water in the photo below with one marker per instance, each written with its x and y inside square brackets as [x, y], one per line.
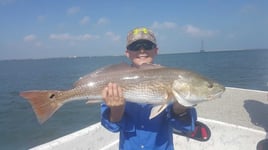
[19, 128]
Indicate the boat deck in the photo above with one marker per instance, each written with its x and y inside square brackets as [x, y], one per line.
[248, 108]
[238, 120]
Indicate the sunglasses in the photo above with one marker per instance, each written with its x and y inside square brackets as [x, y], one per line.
[146, 45]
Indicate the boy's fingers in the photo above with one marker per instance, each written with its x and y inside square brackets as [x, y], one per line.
[110, 89]
[115, 91]
[104, 93]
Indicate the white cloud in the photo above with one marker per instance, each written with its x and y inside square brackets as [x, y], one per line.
[102, 21]
[67, 36]
[29, 38]
[32, 40]
[73, 10]
[64, 36]
[164, 25]
[197, 32]
[85, 20]
[113, 36]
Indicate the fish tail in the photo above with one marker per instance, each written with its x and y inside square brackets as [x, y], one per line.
[44, 103]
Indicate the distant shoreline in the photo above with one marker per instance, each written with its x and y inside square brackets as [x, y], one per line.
[74, 57]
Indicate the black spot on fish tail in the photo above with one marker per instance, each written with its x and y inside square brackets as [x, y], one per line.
[51, 96]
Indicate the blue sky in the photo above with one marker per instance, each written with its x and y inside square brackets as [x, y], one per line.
[47, 28]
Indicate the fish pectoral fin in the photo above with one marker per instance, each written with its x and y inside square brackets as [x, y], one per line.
[93, 101]
[181, 100]
[156, 110]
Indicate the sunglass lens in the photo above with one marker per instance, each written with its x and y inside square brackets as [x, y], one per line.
[138, 46]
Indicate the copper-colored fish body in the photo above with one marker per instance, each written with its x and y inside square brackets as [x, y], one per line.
[151, 84]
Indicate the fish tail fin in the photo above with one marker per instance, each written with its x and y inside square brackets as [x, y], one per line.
[44, 103]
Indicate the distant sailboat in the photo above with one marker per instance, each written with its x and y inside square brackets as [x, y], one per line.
[202, 47]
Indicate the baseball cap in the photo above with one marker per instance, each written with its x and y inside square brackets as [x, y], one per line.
[140, 33]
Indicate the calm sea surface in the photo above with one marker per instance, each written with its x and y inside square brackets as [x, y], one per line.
[19, 128]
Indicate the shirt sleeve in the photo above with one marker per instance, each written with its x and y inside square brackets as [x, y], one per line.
[124, 124]
[185, 122]
[105, 121]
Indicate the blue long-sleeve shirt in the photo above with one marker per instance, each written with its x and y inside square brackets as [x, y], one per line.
[137, 131]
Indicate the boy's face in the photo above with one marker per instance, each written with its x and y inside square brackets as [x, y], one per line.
[141, 56]
[141, 51]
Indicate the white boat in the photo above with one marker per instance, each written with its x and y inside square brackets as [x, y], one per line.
[237, 122]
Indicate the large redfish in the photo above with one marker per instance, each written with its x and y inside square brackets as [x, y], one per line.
[151, 84]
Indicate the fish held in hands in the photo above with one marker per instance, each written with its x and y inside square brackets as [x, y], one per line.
[150, 84]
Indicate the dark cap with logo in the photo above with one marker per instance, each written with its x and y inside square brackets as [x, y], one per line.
[140, 33]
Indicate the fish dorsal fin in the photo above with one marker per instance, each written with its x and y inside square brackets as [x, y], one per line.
[113, 68]
[149, 66]
[122, 67]
[156, 110]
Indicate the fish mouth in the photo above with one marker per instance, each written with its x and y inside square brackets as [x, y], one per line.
[217, 95]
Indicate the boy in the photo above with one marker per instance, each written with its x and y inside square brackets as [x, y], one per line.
[137, 131]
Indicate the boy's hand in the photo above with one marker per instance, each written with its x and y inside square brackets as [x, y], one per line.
[178, 108]
[113, 98]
